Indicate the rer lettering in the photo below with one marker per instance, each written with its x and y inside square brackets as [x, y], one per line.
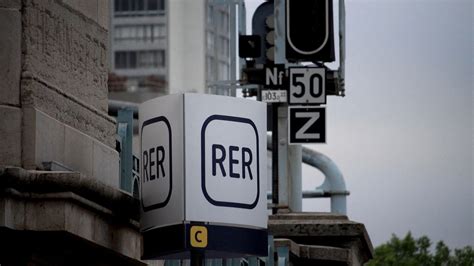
[231, 157]
[153, 159]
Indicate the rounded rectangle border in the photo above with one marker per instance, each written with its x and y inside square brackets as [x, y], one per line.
[147, 123]
[203, 162]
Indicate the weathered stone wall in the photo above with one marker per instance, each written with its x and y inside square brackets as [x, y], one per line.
[53, 86]
[53, 116]
[66, 108]
[10, 71]
[66, 49]
[64, 65]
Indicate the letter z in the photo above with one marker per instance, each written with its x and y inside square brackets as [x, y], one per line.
[301, 133]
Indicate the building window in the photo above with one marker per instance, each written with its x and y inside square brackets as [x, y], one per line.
[140, 4]
[210, 43]
[151, 59]
[223, 46]
[210, 14]
[224, 71]
[211, 69]
[139, 59]
[120, 60]
[125, 59]
[146, 59]
[138, 7]
[156, 4]
[223, 22]
[140, 32]
[152, 4]
[145, 33]
[159, 31]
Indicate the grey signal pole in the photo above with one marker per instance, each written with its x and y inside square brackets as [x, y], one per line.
[289, 156]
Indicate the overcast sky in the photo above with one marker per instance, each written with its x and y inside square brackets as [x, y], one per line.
[403, 135]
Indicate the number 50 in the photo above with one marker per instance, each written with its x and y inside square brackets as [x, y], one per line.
[307, 85]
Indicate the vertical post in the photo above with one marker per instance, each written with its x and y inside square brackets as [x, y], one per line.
[253, 261]
[289, 156]
[172, 263]
[197, 259]
[271, 251]
[338, 204]
[283, 256]
[125, 131]
[275, 170]
[233, 40]
[295, 189]
[282, 156]
[242, 31]
[342, 47]
[233, 262]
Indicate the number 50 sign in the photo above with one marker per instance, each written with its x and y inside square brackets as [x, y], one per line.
[307, 85]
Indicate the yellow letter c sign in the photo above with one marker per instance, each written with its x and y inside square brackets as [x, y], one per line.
[198, 235]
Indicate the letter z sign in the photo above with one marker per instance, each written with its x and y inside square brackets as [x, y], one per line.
[306, 125]
[307, 85]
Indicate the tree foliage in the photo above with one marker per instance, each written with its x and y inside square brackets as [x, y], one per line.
[410, 251]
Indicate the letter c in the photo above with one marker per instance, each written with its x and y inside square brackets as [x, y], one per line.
[196, 236]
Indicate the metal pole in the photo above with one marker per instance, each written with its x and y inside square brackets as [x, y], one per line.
[289, 156]
[333, 186]
[233, 39]
[275, 157]
[334, 181]
[342, 46]
[242, 31]
[282, 156]
[295, 183]
[197, 259]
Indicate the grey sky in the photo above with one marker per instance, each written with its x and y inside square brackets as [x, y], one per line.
[403, 135]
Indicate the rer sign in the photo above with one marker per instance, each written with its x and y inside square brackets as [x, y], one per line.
[230, 175]
[203, 161]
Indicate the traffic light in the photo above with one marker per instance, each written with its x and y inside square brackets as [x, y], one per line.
[270, 38]
[249, 46]
[310, 30]
[263, 26]
[258, 48]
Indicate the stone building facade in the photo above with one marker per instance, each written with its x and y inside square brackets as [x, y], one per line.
[59, 170]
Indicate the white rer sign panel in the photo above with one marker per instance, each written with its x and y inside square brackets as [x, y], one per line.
[213, 169]
[307, 85]
[161, 162]
[306, 124]
[229, 165]
[225, 160]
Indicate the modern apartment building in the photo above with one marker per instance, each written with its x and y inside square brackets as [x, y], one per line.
[138, 45]
[139, 56]
[218, 42]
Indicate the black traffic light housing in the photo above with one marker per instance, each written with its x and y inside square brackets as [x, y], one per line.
[310, 30]
[256, 47]
[263, 26]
